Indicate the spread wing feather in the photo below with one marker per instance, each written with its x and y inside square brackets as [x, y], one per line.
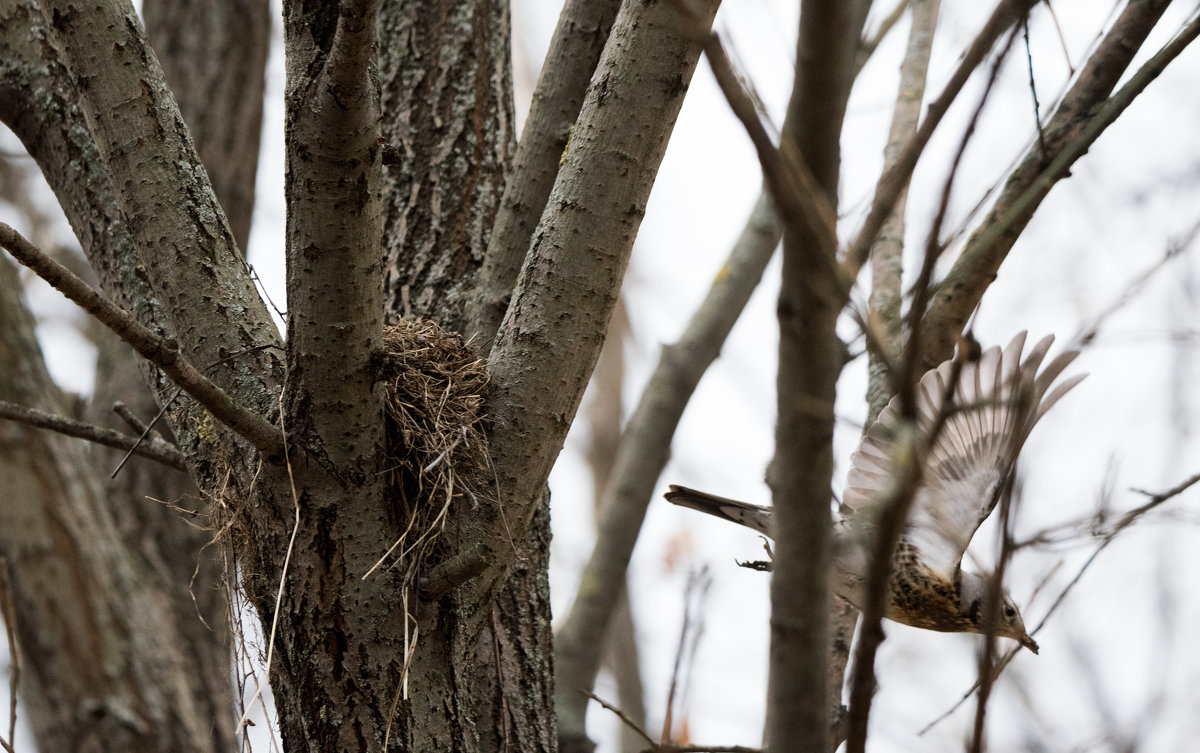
[994, 405]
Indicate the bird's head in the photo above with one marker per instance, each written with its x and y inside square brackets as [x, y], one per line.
[1007, 624]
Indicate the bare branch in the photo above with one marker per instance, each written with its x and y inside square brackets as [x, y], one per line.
[579, 37]
[623, 717]
[887, 252]
[1037, 109]
[556, 324]
[1085, 112]
[129, 417]
[893, 180]
[154, 449]
[334, 234]
[811, 297]
[868, 45]
[445, 576]
[656, 747]
[162, 352]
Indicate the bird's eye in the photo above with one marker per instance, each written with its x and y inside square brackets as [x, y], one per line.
[1010, 612]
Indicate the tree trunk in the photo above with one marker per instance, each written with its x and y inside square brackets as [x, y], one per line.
[175, 572]
[446, 73]
[105, 650]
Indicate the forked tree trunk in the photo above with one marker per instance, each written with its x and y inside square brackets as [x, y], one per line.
[306, 529]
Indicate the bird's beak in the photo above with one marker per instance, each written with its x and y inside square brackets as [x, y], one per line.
[1029, 643]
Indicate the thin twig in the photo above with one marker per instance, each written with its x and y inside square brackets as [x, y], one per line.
[287, 558]
[146, 431]
[162, 352]
[1126, 520]
[156, 449]
[129, 417]
[666, 747]
[893, 180]
[868, 45]
[1037, 114]
[147, 428]
[623, 717]
[988, 246]
[1175, 249]
[1062, 40]
[693, 598]
[991, 609]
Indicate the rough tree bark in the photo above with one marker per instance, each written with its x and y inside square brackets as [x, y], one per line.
[104, 644]
[446, 81]
[181, 244]
[165, 551]
[579, 38]
[446, 75]
[80, 86]
[214, 55]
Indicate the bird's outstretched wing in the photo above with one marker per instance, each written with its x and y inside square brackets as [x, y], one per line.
[742, 513]
[994, 405]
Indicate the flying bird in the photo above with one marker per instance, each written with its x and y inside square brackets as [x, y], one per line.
[994, 404]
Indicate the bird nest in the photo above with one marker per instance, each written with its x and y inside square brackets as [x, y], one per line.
[435, 386]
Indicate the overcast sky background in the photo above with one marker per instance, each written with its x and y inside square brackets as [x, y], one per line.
[1118, 661]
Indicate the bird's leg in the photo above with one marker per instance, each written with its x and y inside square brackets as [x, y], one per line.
[763, 566]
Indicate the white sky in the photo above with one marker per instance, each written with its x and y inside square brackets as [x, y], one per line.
[1116, 660]
[1130, 195]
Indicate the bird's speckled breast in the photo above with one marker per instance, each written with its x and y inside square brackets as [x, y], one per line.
[922, 598]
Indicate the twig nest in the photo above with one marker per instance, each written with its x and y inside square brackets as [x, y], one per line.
[435, 385]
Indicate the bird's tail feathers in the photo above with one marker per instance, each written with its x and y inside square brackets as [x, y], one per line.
[743, 513]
